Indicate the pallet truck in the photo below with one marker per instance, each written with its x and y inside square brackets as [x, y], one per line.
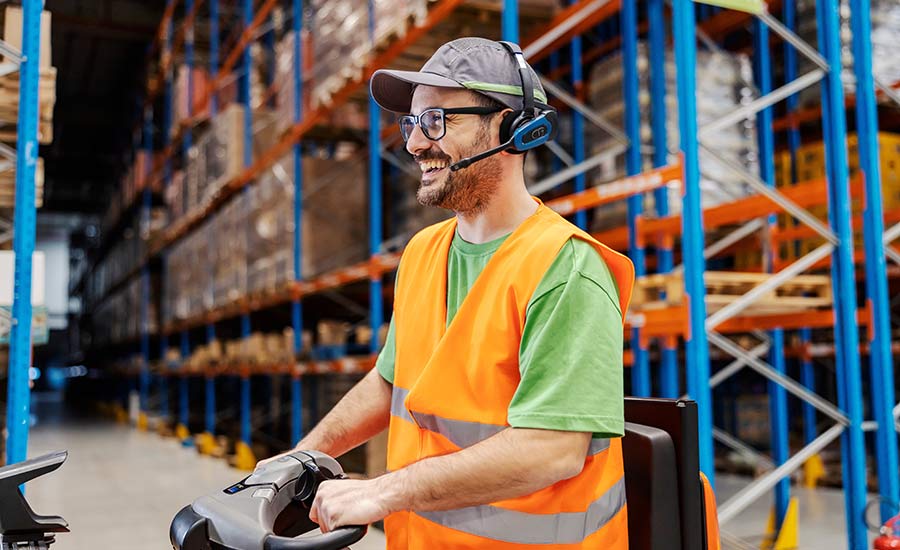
[670, 507]
[20, 527]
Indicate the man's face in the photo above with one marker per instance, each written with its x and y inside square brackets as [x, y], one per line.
[468, 190]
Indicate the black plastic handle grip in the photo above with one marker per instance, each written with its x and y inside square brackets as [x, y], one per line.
[333, 540]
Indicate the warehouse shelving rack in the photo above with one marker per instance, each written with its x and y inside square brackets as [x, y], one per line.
[28, 60]
[689, 322]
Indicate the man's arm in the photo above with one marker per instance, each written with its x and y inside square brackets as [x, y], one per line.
[360, 415]
[512, 463]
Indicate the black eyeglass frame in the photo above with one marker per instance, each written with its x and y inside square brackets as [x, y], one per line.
[417, 119]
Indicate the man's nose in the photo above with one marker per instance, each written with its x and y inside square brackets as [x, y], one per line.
[417, 141]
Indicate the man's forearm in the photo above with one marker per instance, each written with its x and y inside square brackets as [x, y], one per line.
[359, 416]
[513, 463]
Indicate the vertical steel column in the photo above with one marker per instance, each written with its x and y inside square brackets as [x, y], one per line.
[766, 144]
[144, 305]
[578, 123]
[164, 257]
[697, 347]
[878, 300]
[509, 22]
[210, 385]
[807, 374]
[640, 370]
[808, 379]
[846, 330]
[183, 384]
[668, 382]
[376, 301]
[555, 163]
[210, 423]
[18, 393]
[245, 385]
[296, 305]
[244, 90]
[213, 53]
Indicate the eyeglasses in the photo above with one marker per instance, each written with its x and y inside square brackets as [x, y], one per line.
[433, 121]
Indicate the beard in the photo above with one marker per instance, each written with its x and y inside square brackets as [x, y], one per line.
[467, 191]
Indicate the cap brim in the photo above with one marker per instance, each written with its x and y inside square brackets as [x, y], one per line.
[392, 90]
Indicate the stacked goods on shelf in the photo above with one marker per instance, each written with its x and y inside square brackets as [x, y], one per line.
[341, 44]
[198, 79]
[217, 158]
[9, 102]
[811, 166]
[189, 274]
[885, 36]
[128, 252]
[334, 219]
[724, 83]
[247, 246]
[229, 252]
[350, 115]
[119, 317]
[9, 82]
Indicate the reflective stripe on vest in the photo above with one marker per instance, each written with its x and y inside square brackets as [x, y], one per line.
[461, 433]
[523, 528]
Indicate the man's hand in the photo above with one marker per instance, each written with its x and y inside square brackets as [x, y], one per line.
[265, 461]
[343, 502]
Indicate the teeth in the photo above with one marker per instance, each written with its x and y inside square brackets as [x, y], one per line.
[426, 165]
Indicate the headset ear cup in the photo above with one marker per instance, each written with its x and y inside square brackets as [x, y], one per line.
[554, 124]
[512, 121]
[507, 124]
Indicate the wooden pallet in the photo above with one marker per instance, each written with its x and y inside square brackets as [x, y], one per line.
[9, 105]
[8, 186]
[804, 292]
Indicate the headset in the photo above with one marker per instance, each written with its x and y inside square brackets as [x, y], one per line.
[522, 130]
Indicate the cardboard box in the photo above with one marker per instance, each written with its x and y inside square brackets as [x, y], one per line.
[12, 32]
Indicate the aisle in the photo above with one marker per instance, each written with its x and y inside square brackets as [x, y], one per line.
[119, 487]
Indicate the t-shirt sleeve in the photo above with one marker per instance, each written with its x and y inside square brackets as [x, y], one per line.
[386, 359]
[570, 358]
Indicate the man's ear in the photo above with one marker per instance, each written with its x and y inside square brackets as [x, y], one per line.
[501, 124]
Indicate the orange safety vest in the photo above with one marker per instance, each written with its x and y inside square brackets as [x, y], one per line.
[453, 385]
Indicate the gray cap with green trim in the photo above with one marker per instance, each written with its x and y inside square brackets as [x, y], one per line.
[478, 64]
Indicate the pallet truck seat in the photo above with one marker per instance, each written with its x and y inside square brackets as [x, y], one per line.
[669, 508]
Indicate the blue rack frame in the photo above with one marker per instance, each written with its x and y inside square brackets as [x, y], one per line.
[19, 395]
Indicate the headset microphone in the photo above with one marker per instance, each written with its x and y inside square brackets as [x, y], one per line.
[466, 162]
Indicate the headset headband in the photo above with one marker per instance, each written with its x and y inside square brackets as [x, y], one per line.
[524, 76]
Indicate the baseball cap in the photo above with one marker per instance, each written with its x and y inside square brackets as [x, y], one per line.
[477, 64]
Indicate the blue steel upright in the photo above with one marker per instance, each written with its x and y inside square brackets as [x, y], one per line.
[846, 331]
[697, 345]
[18, 394]
[509, 22]
[578, 124]
[778, 413]
[881, 361]
[183, 383]
[144, 305]
[210, 387]
[376, 300]
[668, 376]
[244, 89]
[807, 374]
[640, 369]
[213, 52]
[296, 304]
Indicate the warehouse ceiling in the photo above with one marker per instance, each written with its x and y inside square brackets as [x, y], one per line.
[99, 49]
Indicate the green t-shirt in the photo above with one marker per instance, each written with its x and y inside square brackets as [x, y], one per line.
[570, 358]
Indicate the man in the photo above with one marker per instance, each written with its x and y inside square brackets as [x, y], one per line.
[501, 377]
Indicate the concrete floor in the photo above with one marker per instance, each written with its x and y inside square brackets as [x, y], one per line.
[120, 488]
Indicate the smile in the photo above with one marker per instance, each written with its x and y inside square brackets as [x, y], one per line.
[432, 166]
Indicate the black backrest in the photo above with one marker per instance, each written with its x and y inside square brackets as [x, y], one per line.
[678, 418]
[651, 488]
